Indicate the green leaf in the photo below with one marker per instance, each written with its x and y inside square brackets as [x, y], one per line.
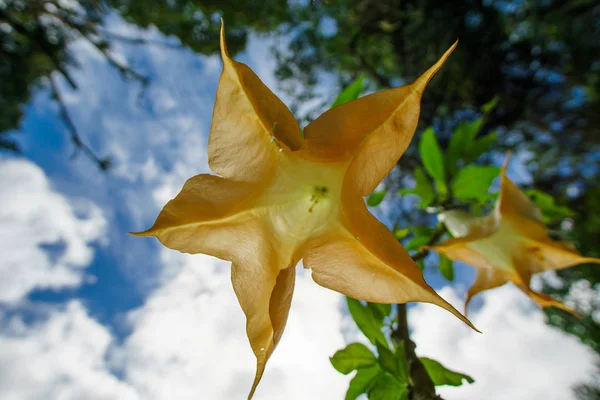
[473, 182]
[362, 382]
[460, 141]
[376, 198]
[416, 242]
[480, 146]
[380, 311]
[550, 210]
[401, 233]
[366, 321]
[456, 146]
[422, 188]
[351, 92]
[490, 105]
[423, 230]
[385, 387]
[446, 268]
[354, 356]
[432, 157]
[440, 375]
[387, 360]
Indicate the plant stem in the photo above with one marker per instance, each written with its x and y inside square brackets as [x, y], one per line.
[421, 385]
[437, 234]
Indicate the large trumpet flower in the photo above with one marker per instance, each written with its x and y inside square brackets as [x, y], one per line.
[281, 195]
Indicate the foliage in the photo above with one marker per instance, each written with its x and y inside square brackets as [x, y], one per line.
[354, 356]
[523, 60]
[367, 321]
[29, 50]
[382, 371]
[196, 23]
[443, 376]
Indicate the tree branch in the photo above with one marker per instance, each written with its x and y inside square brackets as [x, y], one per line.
[103, 163]
[437, 234]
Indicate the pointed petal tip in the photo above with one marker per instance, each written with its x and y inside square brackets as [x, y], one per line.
[565, 308]
[454, 46]
[590, 260]
[142, 233]
[462, 318]
[450, 308]
[223, 45]
[465, 320]
[260, 369]
[424, 79]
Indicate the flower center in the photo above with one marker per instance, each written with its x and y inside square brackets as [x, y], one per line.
[319, 192]
[499, 247]
[303, 199]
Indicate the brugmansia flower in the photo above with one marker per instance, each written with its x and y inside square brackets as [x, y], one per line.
[280, 196]
[508, 245]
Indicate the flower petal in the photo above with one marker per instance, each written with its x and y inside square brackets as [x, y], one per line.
[538, 256]
[210, 215]
[247, 115]
[543, 300]
[375, 130]
[486, 278]
[463, 225]
[458, 249]
[513, 202]
[365, 261]
[522, 281]
[546, 255]
[265, 295]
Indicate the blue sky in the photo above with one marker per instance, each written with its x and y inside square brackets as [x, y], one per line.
[88, 311]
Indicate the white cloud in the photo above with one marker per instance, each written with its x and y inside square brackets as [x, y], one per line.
[61, 358]
[189, 340]
[517, 357]
[32, 214]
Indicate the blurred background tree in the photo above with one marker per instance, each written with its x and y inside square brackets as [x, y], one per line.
[35, 36]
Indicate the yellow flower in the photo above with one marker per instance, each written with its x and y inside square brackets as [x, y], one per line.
[280, 196]
[508, 245]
